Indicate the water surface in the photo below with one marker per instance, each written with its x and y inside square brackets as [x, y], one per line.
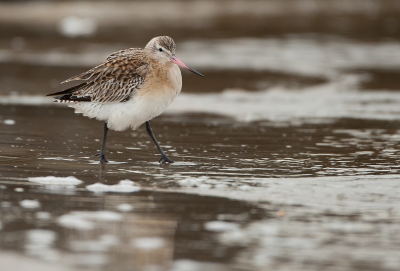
[286, 152]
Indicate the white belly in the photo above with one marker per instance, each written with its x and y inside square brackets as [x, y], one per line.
[150, 101]
[131, 114]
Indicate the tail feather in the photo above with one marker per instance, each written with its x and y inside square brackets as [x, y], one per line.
[86, 75]
[72, 98]
[68, 95]
[68, 91]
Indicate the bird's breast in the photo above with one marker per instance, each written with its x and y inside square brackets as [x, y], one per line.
[163, 81]
[159, 90]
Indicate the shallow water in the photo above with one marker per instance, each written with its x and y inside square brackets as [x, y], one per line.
[274, 174]
[286, 152]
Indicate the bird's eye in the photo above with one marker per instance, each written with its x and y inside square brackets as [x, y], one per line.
[160, 49]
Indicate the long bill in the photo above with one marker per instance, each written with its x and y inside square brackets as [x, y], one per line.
[175, 60]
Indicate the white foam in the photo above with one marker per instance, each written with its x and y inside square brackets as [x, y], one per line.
[104, 242]
[38, 236]
[9, 122]
[74, 221]
[351, 227]
[26, 100]
[190, 265]
[72, 26]
[29, 204]
[244, 187]
[192, 181]
[43, 215]
[58, 158]
[220, 226]
[57, 181]
[296, 191]
[319, 103]
[175, 164]
[125, 207]
[124, 186]
[85, 220]
[95, 162]
[39, 243]
[148, 243]
[205, 186]
[296, 54]
[221, 186]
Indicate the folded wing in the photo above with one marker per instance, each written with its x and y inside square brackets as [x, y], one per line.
[115, 80]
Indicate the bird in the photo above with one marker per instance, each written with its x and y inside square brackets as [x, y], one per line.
[130, 88]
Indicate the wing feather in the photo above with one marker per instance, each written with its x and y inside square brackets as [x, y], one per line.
[115, 80]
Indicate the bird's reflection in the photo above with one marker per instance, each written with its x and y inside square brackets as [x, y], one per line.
[102, 172]
[110, 234]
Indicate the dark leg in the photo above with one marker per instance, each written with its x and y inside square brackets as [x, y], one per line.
[103, 146]
[164, 157]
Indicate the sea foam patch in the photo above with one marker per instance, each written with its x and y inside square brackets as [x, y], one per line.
[316, 104]
[39, 243]
[148, 243]
[29, 204]
[9, 122]
[124, 186]
[85, 220]
[37, 100]
[297, 54]
[56, 181]
[102, 244]
[221, 226]
[125, 207]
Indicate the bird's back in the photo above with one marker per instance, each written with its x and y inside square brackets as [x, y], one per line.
[112, 81]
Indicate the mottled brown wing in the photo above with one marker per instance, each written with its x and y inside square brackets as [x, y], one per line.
[124, 52]
[115, 80]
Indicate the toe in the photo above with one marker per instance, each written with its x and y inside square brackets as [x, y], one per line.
[103, 160]
[165, 159]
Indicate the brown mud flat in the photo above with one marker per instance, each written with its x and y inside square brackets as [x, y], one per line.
[302, 188]
[54, 139]
[137, 22]
[22, 78]
[286, 153]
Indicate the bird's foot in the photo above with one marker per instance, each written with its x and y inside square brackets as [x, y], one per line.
[102, 158]
[164, 159]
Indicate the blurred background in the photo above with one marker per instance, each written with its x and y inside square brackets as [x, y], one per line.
[288, 147]
[250, 45]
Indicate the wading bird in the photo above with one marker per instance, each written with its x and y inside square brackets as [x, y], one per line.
[130, 88]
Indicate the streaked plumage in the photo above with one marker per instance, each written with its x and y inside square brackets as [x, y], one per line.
[130, 88]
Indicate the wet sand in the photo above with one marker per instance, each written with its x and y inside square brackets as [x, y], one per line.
[265, 182]
[286, 152]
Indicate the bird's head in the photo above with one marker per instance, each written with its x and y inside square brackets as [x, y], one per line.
[162, 49]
